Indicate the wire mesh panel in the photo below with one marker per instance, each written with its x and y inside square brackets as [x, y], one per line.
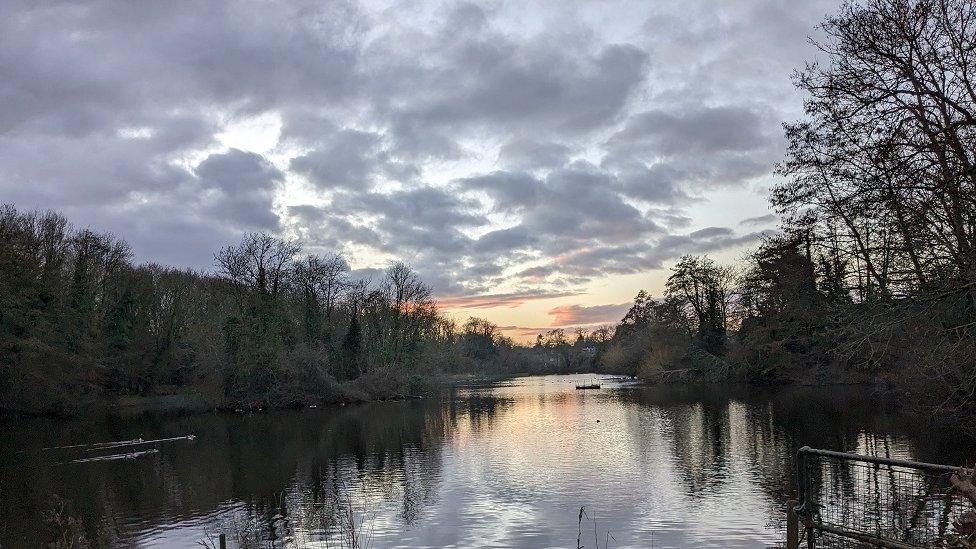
[851, 501]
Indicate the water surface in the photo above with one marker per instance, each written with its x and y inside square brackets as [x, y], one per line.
[503, 466]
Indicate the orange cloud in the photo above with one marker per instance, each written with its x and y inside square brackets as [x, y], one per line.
[577, 315]
[488, 301]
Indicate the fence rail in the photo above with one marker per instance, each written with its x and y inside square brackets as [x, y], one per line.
[857, 501]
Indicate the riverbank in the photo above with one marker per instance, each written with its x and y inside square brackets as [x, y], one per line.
[889, 394]
[379, 386]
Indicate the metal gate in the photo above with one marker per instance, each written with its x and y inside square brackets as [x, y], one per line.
[857, 501]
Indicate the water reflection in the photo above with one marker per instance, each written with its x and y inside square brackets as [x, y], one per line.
[504, 466]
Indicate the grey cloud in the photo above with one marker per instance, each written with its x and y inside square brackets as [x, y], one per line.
[420, 225]
[527, 154]
[706, 130]
[466, 17]
[78, 69]
[351, 159]
[672, 157]
[454, 83]
[711, 240]
[575, 208]
[575, 216]
[321, 229]
[423, 220]
[580, 204]
[711, 233]
[508, 190]
[237, 171]
[58, 172]
[371, 276]
[737, 51]
[504, 240]
[538, 84]
[423, 207]
[671, 218]
[203, 210]
[414, 139]
[102, 103]
[241, 186]
[347, 160]
[758, 220]
[435, 254]
[658, 183]
[589, 263]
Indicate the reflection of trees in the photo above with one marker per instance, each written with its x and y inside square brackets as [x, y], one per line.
[476, 410]
[710, 428]
[842, 418]
[698, 433]
[273, 464]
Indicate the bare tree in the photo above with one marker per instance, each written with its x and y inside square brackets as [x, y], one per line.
[323, 279]
[886, 159]
[259, 263]
[412, 307]
[602, 335]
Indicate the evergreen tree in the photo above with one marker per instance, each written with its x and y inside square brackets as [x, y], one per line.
[351, 348]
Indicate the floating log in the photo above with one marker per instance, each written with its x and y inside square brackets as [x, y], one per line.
[139, 442]
[113, 457]
[95, 444]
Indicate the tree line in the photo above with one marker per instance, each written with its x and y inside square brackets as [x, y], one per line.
[873, 275]
[269, 327]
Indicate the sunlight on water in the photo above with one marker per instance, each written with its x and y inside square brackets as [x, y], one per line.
[502, 466]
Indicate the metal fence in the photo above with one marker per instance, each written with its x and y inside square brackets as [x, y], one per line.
[856, 501]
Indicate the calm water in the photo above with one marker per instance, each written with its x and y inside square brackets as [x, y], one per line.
[504, 466]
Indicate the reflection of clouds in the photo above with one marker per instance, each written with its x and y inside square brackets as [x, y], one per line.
[546, 455]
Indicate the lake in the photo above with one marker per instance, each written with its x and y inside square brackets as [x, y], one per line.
[507, 465]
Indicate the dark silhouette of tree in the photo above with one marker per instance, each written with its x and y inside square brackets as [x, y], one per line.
[703, 291]
[884, 161]
[480, 338]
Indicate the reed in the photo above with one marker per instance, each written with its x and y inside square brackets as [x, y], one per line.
[596, 535]
[335, 523]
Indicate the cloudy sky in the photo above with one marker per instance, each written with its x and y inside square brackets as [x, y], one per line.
[538, 162]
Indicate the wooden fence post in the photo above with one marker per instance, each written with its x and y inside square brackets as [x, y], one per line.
[792, 526]
[223, 541]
